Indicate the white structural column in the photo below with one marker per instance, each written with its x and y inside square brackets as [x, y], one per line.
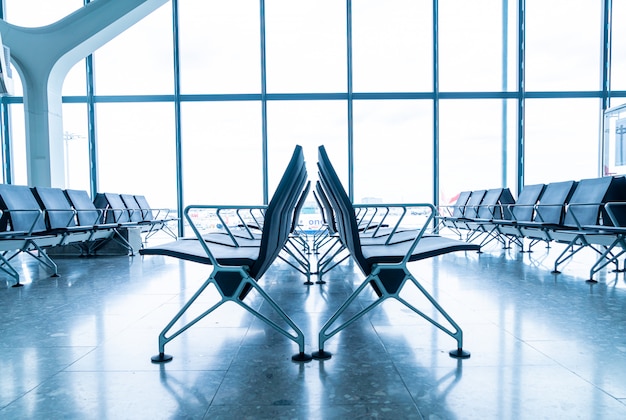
[43, 56]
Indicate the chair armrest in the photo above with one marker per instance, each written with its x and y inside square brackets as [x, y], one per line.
[402, 210]
[191, 212]
[37, 215]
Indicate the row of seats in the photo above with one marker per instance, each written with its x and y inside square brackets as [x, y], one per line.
[590, 213]
[38, 219]
[241, 251]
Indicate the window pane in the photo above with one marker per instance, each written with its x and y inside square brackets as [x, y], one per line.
[220, 46]
[75, 83]
[618, 46]
[136, 151]
[472, 150]
[471, 46]
[397, 54]
[76, 147]
[222, 153]
[139, 61]
[306, 46]
[309, 124]
[18, 144]
[563, 44]
[18, 89]
[393, 151]
[562, 140]
[33, 13]
[614, 142]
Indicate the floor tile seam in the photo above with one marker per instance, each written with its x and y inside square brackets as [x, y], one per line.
[395, 367]
[33, 388]
[568, 369]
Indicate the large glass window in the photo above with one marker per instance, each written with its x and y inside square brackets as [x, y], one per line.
[392, 45]
[306, 46]
[222, 153]
[618, 56]
[139, 61]
[136, 151]
[561, 140]
[18, 145]
[309, 124]
[476, 46]
[393, 151]
[75, 83]
[33, 13]
[563, 44]
[220, 46]
[306, 50]
[476, 144]
[76, 147]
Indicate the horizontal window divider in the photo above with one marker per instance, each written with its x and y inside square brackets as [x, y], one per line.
[328, 96]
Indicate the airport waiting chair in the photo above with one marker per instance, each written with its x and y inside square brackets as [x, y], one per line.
[87, 214]
[548, 213]
[160, 218]
[239, 263]
[385, 264]
[586, 222]
[24, 230]
[522, 210]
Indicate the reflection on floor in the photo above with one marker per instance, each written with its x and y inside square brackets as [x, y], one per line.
[543, 346]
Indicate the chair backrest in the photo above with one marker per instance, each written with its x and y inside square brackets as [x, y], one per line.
[327, 211]
[113, 207]
[347, 225]
[588, 198]
[489, 206]
[299, 205]
[473, 204]
[502, 209]
[86, 212]
[279, 214]
[524, 208]
[458, 208]
[146, 210]
[59, 212]
[23, 212]
[134, 209]
[551, 207]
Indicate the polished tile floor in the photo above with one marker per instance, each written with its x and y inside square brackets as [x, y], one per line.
[543, 346]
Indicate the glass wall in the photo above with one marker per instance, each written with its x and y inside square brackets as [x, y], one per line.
[306, 46]
[477, 145]
[221, 152]
[563, 44]
[476, 46]
[618, 58]
[392, 46]
[405, 115]
[219, 46]
[136, 154]
[393, 137]
[561, 139]
[139, 61]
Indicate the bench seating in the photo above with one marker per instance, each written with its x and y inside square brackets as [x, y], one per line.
[25, 231]
[126, 210]
[384, 262]
[574, 213]
[238, 263]
[39, 219]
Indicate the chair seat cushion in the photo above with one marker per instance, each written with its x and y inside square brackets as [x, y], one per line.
[192, 250]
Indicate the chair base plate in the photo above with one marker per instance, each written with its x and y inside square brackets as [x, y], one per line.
[161, 358]
[459, 354]
[322, 355]
[301, 357]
